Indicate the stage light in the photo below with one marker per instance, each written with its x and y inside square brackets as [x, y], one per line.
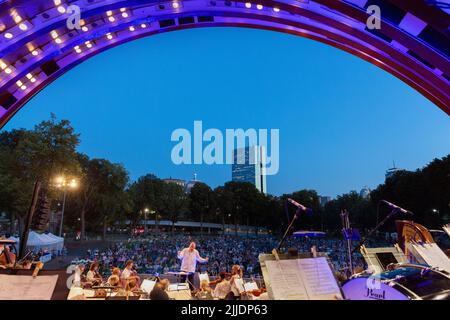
[58, 40]
[143, 25]
[33, 80]
[122, 9]
[8, 35]
[84, 29]
[124, 15]
[111, 19]
[276, 9]
[17, 18]
[54, 34]
[109, 13]
[259, 6]
[34, 52]
[131, 28]
[175, 5]
[109, 36]
[8, 70]
[88, 44]
[248, 5]
[29, 76]
[61, 9]
[77, 49]
[57, 2]
[23, 27]
[2, 65]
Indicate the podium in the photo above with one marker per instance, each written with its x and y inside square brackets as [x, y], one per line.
[300, 277]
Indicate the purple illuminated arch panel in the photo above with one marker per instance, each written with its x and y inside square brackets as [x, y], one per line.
[37, 46]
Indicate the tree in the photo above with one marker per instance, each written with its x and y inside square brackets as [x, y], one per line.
[102, 197]
[146, 193]
[201, 202]
[27, 155]
[174, 202]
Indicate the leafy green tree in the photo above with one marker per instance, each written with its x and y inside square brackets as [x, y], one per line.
[26, 155]
[201, 203]
[146, 193]
[101, 198]
[174, 202]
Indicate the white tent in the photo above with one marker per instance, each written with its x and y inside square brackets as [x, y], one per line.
[45, 242]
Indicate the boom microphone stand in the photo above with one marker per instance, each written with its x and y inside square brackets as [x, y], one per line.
[347, 231]
[395, 210]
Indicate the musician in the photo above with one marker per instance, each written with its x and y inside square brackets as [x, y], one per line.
[159, 291]
[236, 274]
[93, 275]
[205, 292]
[129, 273]
[223, 288]
[189, 257]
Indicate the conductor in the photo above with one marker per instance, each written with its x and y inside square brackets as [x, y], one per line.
[189, 257]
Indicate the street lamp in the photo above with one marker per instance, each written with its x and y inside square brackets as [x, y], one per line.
[64, 184]
[146, 210]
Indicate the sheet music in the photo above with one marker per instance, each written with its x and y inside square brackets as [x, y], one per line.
[318, 279]
[433, 255]
[148, 285]
[26, 287]
[250, 286]
[285, 280]
[447, 229]
[302, 279]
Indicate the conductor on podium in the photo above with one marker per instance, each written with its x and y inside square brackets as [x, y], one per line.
[189, 257]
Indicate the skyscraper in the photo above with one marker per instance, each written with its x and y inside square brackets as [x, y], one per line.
[249, 166]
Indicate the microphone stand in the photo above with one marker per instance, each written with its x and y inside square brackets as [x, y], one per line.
[288, 229]
[378, 226]
[347, 233]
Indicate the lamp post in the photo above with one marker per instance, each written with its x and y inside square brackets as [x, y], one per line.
[146, 210]
[64, 184]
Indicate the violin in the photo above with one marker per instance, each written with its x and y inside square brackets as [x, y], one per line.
[258, 292]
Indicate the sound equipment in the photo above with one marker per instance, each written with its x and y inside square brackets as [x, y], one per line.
[406, 282]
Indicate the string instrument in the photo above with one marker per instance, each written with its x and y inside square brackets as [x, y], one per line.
[258, 292]
[215, 282]
[7, 258]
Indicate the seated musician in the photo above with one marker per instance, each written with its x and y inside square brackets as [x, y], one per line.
[115, 274]
[132, 286]
[79, 278]
[129, 273]
[159, 291]
[236, 274]
[205, 292]
[223, 287]
[93, 276]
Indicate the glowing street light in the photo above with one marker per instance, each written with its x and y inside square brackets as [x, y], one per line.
[64, 184]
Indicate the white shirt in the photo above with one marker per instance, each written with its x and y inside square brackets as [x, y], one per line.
[222, 289]
[189, 259]
[125, 274]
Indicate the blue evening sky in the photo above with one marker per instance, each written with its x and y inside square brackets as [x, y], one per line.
[342, 120]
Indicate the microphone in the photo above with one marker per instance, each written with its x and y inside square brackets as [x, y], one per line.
[395, 207]
[300, 206]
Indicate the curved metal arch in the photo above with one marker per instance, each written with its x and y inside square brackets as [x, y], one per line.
[35, 55]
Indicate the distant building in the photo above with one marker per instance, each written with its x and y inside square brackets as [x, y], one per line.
[189, 184]
[365, 193]
[323, 200]
[249, 166]
[391, 171]
[179, 182]
[185, 184]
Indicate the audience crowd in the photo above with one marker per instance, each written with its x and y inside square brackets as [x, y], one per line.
[157, 254]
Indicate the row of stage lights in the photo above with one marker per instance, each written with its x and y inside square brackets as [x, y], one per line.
[24, 25]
